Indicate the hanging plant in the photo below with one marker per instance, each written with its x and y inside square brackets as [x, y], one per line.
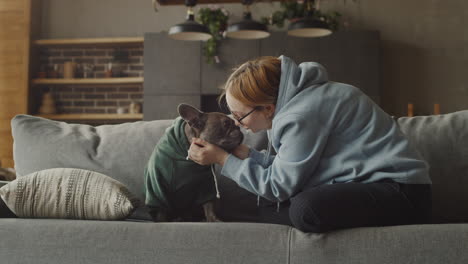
[215, 18]
[293, 10]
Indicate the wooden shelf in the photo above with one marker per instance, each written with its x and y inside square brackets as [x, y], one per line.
[90, 41]
[93, 116]
[81, 81]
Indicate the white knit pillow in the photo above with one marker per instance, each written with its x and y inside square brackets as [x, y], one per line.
[68, 193]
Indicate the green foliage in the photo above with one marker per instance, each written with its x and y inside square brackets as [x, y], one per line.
[293, 10]
[215, 19]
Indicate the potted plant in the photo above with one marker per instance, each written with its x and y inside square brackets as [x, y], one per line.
[294, 10]
[215, 18]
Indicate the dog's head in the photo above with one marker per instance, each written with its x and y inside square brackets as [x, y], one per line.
[216, 128]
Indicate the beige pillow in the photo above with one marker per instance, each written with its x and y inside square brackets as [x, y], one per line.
[68, 193]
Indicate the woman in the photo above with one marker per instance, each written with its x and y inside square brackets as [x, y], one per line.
[341, 161]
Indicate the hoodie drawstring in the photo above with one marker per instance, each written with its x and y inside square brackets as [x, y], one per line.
[215, 181]
[218, 195]
[265, 164]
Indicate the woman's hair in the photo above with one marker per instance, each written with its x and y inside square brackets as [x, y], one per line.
[255, 82]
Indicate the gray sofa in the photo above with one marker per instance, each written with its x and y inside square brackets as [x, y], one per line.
[121, 151]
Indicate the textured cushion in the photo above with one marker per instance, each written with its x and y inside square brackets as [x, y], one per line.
[442, 140]
[68, 193]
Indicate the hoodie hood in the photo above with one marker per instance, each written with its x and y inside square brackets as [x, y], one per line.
[295, 78]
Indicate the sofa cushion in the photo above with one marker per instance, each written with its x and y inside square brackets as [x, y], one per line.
[119, 151]
[68, 193]
[442, 140]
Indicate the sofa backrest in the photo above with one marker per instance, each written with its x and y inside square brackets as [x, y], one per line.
[442, 140]
[121, 151]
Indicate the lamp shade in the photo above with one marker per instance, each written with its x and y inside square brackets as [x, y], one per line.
[247, 29]
[309, 27]
[189, 30]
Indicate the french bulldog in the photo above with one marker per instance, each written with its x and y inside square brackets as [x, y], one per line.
[174, 184]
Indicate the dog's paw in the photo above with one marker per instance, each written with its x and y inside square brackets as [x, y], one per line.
[159, 216]
[213, 218]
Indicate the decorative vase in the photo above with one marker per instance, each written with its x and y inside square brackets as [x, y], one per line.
[69, 69]
[134, 108]
[47, 104]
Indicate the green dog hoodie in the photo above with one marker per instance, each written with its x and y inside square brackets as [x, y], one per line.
[173, 183]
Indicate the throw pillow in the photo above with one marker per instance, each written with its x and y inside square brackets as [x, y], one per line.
[68, 193]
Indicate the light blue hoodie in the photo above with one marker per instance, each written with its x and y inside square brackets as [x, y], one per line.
[324, 133]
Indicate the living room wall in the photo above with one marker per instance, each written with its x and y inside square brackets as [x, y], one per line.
[424, 45]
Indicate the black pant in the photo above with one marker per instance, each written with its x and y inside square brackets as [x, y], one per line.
[5, 212]
[346, 205]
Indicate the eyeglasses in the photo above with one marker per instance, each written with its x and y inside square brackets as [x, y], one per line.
[246, 115]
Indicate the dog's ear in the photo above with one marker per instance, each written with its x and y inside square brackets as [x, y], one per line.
[191, 115]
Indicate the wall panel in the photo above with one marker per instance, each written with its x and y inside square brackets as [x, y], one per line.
[14, 69]
[177, 68]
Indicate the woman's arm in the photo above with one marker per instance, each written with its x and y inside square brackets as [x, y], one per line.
[301, 143]
[260, 157]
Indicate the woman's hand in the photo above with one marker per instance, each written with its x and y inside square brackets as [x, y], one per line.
[242, 151]
[205, 153]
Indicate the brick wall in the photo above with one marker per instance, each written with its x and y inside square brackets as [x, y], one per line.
[96, 100]
[126, 62]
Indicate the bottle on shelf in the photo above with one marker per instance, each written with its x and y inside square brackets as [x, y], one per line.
[108, 70]
[69, 68]
[410, 109]
[54, 72]
[436, 109]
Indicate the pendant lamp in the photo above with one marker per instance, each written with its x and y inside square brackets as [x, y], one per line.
[308, 26]
[190, 30]
[247, 28]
